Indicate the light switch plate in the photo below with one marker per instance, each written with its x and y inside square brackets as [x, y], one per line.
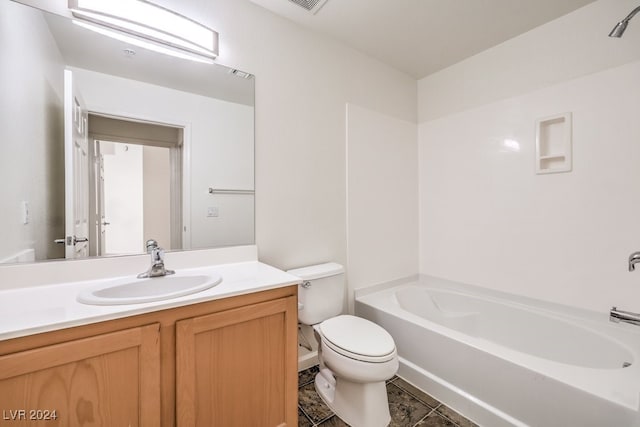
[25, 213]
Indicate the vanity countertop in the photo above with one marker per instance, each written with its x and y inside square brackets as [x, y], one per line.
[32, 310]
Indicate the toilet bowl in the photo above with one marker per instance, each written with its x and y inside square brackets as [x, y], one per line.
[356, 356]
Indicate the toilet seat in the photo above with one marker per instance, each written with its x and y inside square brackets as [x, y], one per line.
[358, 338]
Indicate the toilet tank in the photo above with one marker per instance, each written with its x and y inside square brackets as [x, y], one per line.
[321, 293]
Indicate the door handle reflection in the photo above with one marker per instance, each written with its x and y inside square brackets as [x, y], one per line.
[71, 240]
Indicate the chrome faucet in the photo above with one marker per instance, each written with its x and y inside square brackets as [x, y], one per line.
[634, 258]
[157, 261]
[618, 316]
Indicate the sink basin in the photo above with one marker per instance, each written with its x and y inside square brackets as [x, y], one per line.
[135, 291]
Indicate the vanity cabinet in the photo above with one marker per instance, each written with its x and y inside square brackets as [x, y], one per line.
[228, 362]
[231, 366]
[110, 379]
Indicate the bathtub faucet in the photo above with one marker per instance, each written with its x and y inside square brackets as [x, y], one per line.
[634, 258]
[618, 316]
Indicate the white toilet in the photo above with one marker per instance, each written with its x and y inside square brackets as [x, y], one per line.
[356, 355]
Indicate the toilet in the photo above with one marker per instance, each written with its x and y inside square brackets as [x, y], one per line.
[356, 356]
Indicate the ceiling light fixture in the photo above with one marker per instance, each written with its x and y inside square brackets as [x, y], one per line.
[142, 43]
[148, 24]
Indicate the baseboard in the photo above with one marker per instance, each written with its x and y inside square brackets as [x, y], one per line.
[307, 360]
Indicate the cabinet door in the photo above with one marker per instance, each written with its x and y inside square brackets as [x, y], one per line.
[238, 367]
[105, 380]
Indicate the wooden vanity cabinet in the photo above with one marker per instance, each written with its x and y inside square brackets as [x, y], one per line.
[110, 379]
[229, 362]
[232, 366]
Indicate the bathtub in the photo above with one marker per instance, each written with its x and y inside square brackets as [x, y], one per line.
[504, 360]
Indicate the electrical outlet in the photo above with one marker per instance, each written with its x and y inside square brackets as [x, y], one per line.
[212, 212]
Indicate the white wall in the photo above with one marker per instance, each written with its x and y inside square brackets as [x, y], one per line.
[569, 47]
[382, 198]
[303, 81]
[31, 144]
[123, 198]
[221, 148]
[157, 199]
[486, 218]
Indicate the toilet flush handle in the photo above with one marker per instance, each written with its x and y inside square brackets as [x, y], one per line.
[306, 284]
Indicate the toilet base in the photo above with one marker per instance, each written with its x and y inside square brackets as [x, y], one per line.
[357, 404]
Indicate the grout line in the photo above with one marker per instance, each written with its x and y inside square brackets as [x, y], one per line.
[449, 419]
[304, 414]
[425, 417]
[324, 419]
[420, 399]
[437, 407]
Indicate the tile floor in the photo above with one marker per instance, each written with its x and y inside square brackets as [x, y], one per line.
[409, 406]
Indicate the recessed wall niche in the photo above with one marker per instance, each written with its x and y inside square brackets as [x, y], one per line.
[553, 144]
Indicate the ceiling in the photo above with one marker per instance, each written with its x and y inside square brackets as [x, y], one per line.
[421, 37]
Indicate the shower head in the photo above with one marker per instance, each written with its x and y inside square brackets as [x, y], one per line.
[621, 26]
[619, 29]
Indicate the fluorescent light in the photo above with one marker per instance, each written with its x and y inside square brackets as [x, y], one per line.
[142, 43]
[146, 20]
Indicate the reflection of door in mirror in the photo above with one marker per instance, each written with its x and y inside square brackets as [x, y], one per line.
[210, 104]
[76, 171]
[135, 185]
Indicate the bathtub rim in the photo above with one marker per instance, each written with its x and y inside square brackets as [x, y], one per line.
[594, 327]
[625, 380]
[448, 284]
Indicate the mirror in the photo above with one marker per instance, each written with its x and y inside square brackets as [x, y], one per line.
[169, 153]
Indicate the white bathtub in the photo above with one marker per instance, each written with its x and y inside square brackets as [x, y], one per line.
[504, 360]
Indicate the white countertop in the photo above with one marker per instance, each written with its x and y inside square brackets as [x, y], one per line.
[32, 310]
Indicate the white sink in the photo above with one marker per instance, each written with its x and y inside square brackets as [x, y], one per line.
[132, 290]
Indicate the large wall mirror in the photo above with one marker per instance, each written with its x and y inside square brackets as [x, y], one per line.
[163, 148]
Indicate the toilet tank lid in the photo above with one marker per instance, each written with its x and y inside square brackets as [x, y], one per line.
[317, 271]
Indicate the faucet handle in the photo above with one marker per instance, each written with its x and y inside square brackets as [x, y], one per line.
[157, 254]
[157, 261]
[151, 245]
